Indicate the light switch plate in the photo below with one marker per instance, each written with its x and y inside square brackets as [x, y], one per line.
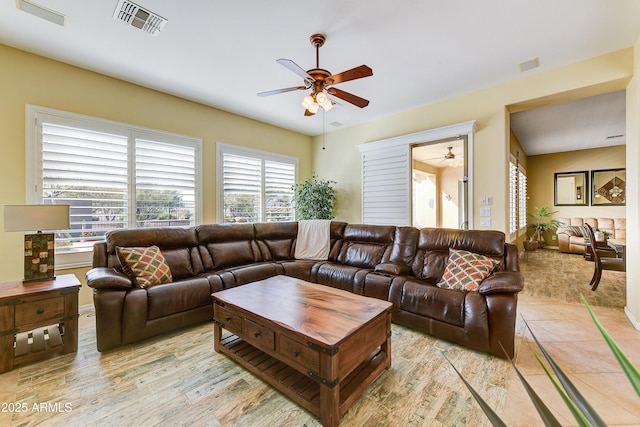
[485, 222]
[485, 212]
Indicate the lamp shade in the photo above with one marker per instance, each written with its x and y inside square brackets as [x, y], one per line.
[36, 217]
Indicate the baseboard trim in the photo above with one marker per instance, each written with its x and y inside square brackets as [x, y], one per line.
[631, 318]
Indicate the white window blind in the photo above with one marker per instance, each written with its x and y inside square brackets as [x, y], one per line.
[242, 188]
[88, 171]
[513, 198]
[517, 197]
[165, 184]
[279, 179]
[256, 186]
[386, 198]
[522, 192]
[111, 174]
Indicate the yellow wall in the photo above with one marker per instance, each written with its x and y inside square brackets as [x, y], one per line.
[490, 107]
[31, 79]
[540, 180]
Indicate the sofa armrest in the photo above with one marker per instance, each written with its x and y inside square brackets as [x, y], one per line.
[502, 281]
[393, 269]
[104, 277]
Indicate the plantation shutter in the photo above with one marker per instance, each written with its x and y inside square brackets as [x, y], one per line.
[279, 179]
[165, 182]
[386, 194]
[522, 192]
[87, 170]
[242, 188]
[513, 198]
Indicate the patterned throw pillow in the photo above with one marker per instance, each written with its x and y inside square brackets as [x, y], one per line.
[577, 230]
[144, 266]
[466, 270]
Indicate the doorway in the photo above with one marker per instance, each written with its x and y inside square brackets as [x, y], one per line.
[439, 184]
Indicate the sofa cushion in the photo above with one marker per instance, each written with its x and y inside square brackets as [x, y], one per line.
[466, 270]
[429, 301]
[229, 254]
[177, 297]
[145, 266]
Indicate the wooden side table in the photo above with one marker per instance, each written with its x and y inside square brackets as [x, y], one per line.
[38, 319]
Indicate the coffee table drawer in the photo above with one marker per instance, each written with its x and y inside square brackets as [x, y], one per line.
[230, 320]
[259, 335]
[298, 353]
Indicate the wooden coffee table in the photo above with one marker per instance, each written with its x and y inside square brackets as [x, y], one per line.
[320, 346]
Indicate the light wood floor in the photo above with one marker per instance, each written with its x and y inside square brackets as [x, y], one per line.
[178, 379]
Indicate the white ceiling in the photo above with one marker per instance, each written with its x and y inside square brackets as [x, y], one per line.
[597, 121]
[221, 53]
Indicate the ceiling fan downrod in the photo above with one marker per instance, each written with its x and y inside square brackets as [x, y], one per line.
[317, 40]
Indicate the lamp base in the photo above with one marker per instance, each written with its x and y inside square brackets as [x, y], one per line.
[39, 257]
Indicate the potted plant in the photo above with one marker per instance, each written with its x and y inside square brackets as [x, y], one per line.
[543, 222]
[313, 199]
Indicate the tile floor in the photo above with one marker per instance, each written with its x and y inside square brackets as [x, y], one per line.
[570, 336]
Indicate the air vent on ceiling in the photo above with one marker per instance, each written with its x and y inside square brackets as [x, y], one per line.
[138, 17]
[529, 65]
[41, 12]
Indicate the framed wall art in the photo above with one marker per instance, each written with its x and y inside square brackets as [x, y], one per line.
[609, 187]
[571, 188]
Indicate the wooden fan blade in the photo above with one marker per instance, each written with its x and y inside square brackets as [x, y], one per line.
[355, 100]
[308, 113]
[287, 63]
[277, 91]
[352, 74]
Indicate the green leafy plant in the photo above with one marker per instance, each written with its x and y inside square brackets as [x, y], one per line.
[579, 407]
[313, 199]
[543, 223]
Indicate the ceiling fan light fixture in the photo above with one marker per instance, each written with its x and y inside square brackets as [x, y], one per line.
[307, 102]
[313, 108]
[328, 105]
[321, 98]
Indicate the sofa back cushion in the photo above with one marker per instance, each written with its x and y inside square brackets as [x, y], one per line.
[617, 227]
[365, 246]
[227, 245]
[178, 246]
[276, 239]
[433, 249]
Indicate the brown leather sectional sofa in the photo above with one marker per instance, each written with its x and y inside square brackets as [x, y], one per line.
[399, 264]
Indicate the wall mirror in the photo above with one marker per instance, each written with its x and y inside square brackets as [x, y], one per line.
[571, 188]
[609, 187]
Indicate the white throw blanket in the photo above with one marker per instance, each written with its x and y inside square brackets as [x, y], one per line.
[313, 239]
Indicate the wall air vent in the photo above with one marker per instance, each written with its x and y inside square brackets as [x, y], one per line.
[138, 17]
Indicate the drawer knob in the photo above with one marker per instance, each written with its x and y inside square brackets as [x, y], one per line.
[256, 334]
[227, 319]
[296, 353]
[40, 311]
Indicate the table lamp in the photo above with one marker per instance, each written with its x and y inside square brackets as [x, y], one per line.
[39, 248]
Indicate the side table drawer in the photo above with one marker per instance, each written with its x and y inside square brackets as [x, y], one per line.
[39, 311]
[298, 353]
[259, 335]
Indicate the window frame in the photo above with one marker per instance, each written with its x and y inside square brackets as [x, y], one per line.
[35, 115]
[222, 148]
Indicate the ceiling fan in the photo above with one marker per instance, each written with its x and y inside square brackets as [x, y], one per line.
[320, 80]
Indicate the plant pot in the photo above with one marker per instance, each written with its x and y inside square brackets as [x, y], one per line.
[530, 245]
